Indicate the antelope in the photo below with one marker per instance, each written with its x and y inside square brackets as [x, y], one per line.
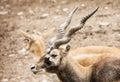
[35, 42]
[96, 64]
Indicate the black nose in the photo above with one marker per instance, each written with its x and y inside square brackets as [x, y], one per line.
[33, 69]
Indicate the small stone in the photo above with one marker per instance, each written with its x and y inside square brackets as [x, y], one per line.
[4, 80]
[3, 12]
[45, 27]
[106, 8]
[104, 23]
[11, 55]
[44, 15]
[65, 9]
[20, 13]
[83, 5]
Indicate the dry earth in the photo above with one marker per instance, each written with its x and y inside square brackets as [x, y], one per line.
[42, 15]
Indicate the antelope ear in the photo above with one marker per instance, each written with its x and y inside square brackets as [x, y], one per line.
[67, 48]
[25, 34]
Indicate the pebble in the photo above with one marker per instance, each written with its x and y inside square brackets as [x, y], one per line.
[44, 15]
[106, 8]
[83, 5]
[20, 13]
[104, 23]
[45, 27]
[3, 12]
[11, 55]
[65, 9]
[4, 80]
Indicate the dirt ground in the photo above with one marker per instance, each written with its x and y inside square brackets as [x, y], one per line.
[103, 29]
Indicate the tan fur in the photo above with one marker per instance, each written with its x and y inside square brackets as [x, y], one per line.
[35, 45]
[92, 54]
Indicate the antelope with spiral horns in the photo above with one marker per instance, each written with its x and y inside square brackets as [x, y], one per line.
[96, 64]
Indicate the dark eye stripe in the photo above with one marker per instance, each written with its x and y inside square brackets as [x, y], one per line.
[53, 55]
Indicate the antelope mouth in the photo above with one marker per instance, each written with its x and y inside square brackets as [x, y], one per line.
[35, 71]
[41, 71]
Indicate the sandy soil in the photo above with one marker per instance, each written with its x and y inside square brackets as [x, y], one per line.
[41, 15]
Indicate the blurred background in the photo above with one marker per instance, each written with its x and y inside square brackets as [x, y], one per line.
[102, 29]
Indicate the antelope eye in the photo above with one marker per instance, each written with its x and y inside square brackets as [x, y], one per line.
[26, 40]
[53, 55]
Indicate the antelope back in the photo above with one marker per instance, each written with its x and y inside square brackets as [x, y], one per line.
[90, 55]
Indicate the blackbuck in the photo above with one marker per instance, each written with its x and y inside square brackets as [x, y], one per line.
[96, 64]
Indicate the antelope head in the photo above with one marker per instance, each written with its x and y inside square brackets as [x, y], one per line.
[54, 56]
[33, 43]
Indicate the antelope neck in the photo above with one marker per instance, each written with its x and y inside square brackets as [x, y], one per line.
[69, 73]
